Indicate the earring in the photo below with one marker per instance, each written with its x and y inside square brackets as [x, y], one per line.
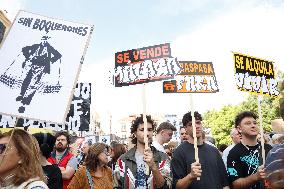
[19, 162]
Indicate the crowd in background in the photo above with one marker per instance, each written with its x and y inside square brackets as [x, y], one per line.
[41, 160]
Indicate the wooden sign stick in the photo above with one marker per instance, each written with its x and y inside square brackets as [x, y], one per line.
[194, 132]
[261, 129]
[145, 123]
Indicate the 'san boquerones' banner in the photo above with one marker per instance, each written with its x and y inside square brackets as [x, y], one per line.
[78, 118]
[195, 77]
[40, 61]
[144, 65]
[255, 75]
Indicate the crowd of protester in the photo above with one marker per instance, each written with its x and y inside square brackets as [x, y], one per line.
[41, 160]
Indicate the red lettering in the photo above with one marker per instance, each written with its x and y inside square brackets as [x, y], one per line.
[142, 54]
[150, 53]
[165, 50]
[135, 55]
[126, 57]
[158, 51]
[119, 58]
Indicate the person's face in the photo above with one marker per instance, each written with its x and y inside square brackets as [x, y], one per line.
[10, 160]
[103, 157]
[236, 137]
[198, 126]
[167, 135]
[248, 127]
[139, 133]
[111, 154]
[85, 148]
[61, 143]
[183, 135]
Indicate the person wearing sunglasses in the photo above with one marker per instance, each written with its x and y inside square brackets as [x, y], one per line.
[19, 162]
[95, 174]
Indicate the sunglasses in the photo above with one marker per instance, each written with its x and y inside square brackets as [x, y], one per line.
[3, 148]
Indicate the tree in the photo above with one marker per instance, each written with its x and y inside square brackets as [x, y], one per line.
[221, 122]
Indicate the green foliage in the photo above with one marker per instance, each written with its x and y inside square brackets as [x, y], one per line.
[221, 122]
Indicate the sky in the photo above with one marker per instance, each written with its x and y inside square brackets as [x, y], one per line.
[207, 30]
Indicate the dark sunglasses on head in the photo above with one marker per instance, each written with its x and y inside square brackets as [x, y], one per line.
[2, 148]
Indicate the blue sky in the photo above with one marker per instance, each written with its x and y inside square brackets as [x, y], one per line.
[126, 24]
[207, 30]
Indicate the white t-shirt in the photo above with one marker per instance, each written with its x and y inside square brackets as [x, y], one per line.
[158, 146]
[226, 153]
[141, 178]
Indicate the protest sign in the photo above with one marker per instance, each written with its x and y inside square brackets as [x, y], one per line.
[144, 65]
[78, 118]
[195, 77]
[40, 61]
[104, 139]
[255, 75]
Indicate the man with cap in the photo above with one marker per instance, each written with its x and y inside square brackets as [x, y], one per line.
[164, 135]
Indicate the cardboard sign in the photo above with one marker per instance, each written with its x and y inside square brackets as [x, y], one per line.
[104, 139]
[195, 77]
[40, 61]
[144, 65]
[255, 75]
[78, 118]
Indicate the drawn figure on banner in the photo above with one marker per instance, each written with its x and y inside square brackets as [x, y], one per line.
[104, 140]
[35, 62]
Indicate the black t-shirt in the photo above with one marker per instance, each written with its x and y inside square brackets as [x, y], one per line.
[213, 174]
[54, 176]
[244, 161]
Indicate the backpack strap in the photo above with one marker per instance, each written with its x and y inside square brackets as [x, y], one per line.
[91, 184]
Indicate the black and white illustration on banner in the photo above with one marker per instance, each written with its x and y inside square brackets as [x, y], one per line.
[78, 118]
[40, 61]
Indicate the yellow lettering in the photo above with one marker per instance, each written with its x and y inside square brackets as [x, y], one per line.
[256, 65]
[195, 67]
[205, 68]
[200, 68]
[239, 62]
[247, 64]
[270, 70]
[210, 69]
[191, 67]
[186, 68]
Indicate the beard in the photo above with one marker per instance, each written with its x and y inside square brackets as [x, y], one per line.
[60, 148]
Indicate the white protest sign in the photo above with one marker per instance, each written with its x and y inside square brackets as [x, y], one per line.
[40, 62]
